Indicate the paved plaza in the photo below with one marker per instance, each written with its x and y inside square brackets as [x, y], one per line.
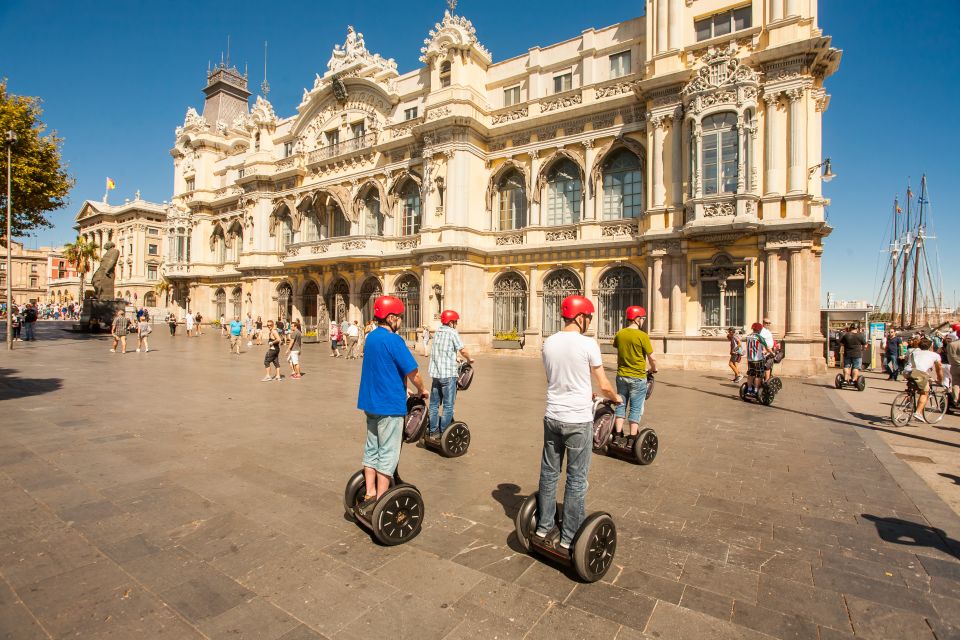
[174, 495]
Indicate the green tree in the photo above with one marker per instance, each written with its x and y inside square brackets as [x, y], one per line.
[163, 288]
[81, 254]
[40, 183]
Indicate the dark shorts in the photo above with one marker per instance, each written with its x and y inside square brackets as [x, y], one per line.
[756, 368]
[735, 357]
[272, 357]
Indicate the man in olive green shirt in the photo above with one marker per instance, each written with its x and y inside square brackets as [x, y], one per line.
[634, 350]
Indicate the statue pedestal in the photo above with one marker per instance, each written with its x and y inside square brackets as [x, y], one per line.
[97, 315]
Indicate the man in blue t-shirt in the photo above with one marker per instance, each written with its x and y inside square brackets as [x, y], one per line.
[387, 366]
[236, 334]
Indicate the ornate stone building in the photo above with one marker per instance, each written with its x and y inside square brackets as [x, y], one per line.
[670, 161]
[137, 228]
[29, 274]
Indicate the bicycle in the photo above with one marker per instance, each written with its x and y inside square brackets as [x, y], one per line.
[905, 404]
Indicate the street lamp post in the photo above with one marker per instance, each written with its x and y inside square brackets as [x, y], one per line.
[9, 139]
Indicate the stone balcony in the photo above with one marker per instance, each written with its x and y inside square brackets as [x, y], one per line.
[350, 248]
[345, 148]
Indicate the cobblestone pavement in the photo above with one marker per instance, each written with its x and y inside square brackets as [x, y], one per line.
[173, 495]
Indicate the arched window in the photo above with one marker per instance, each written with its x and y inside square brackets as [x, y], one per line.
[310, 227]
[410, 197]
[311, 305]
[620, 287]
[509, 304]
[219, 246]
[338, 300]
[720, 142]
[622, 182]
[236, 301]
[369, 292]
[220, 298]
[339, 225]
[284, 301]
[149, 299]
[445, 74]
[236, 242]
[512, 196]
[408, 290]
[557, 286]
[564, 189]
[285, 234]
[182, 245]
[372, 216]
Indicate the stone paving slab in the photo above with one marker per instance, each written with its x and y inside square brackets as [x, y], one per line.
[206, 504]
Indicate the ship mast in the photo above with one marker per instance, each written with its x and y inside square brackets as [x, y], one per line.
[907, 250]
[894, 257]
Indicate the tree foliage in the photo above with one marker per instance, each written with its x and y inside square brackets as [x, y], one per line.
[40, 183]
[81, 254]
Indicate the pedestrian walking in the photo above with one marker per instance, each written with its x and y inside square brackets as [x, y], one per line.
[236, 334]
[272, 357]
[29, 322]
[259, 327]
[172, 322]
[15, 324]
[736, 353]
[353, 336]
[119, 330]
[334, 339]
[424, 346]
[223, 326]
[294, 344]
[188, 323]
[199, 324]
[891, 354]
[634, 359]
[143, 331]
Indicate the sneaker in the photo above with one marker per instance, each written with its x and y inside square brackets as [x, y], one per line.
[296, 376]
[138, 350]
[919, 417]
[267, 379]
[278, 378]
[565, 545]
[113, 350]
[146, 350]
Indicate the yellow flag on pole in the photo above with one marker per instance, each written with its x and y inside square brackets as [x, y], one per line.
[111, 184]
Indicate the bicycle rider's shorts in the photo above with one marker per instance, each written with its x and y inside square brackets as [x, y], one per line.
[921, 379]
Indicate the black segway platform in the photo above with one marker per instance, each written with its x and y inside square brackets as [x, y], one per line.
[455, 439]
[641, 449]
[593, 548]
[840, 382]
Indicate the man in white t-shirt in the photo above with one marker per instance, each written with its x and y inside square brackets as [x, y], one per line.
[188, 321]
[570, 360]
[767, 336]
[353, 336]
[923, 362]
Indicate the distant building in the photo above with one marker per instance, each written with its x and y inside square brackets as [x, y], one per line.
[63, 281]
[29, 280]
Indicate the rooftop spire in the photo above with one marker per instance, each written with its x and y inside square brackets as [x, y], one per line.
[265, 87]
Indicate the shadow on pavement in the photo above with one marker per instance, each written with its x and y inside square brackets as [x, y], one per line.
[913, 534]
[950, 476]
[12, 386]
[508, 495]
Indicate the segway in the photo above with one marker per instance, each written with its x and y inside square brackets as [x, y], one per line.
[397, 516]
[641, 449]
[590, 554]
[452, 443]
[840, 382]
[765, 394]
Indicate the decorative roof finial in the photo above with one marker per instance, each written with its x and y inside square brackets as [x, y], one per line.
[265, 87]
[452, 5]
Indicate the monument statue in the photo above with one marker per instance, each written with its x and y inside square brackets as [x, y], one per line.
[105, 274]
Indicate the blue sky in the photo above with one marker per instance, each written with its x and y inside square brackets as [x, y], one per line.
[117, 76]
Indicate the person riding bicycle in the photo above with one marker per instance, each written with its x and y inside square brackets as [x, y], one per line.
[634, 351]
[853, 342]
[922, 363]
[757, 351]
[570, 360]
[446, 349]
[387, 367]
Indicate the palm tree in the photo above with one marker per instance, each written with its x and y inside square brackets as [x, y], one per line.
[163, 288]
[81, 254]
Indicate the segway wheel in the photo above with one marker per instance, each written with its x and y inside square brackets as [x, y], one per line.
[646, 446]
[398, 516]
[455, 440]
[353, 494]
[767, 395]
[776, 384]
[526, 520]
[838, 381]
[743, 392]
[861, 383]
[416, 419]
[594, 547]
[602, 428]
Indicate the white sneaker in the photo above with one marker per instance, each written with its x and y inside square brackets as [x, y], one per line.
[146, 350]
[919, 417]
[138, 350]
[113, 350]
[278, 378]
[267, 379]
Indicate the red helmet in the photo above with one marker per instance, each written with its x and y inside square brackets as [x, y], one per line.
[385, 305]
[956, 327]
[636, 312]
[756, 326]
[449, 316]
[572, 306]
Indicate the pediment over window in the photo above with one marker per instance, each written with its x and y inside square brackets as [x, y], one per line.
[722, 79]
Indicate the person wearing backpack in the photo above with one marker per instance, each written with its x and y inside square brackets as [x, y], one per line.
[143, 330]
[736, 353]
[29, 320]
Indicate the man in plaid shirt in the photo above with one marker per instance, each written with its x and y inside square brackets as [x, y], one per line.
[444, 367]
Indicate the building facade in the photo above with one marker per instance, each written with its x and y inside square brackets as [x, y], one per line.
[137, 229]
[63, 280]
[29, 268]
[670, 161]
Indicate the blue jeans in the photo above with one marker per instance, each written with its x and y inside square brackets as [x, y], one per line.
[634, 392]
[381, 451]
[445, 390]
[575, 439]
[28, 330]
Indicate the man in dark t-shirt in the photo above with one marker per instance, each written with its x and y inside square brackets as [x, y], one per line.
[853, 342]
[891, 354]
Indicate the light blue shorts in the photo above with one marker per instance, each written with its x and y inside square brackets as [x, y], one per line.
[381, 451]
[634, 392]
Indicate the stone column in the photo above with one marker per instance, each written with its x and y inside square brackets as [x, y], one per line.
[696, 175]
[774, 152]
[795, 294]
[534, 311]
[591, 200]
[798, 140]
[589, 294]
[659, 314]
[658, 192]
[534, 197]
[776, 10]
[676, 293]
[676, 157]
[426, 308]
[771, 287]
[793, 8]
[662, 26]
[674, 23]
[741, 155]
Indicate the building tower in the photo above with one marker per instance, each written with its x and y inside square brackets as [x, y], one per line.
[226, 93]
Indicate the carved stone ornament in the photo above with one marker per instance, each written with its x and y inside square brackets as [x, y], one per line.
[439, 112]
[354, 50]
[320, 248]
[562, 234]
[662, 247]
[511, 239]
[625, 229]
[510, 116]
[719, 209]
[614, 89]
[410, 243]
[721, 70]
[263, 113]
[354, 244]
[783, 239]
[453, 32]
[553, 104]
[434, 257]
[193, 122]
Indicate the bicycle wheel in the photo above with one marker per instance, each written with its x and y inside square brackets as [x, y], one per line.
[901, 411]
[936, 406]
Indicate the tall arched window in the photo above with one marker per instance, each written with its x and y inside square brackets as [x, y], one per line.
[622, 196]
[338, 300]
[285, 233]
[720, 149]
[512, 197]
[339, 225]
[410, 197]
[557, 286]
[408, 290]
[445, 74]
[220, 298]
[564, 189]
[310, 227]
[284, 301]
[620, 287]
[369, 292]
[236, 242]
[372, 217]
[509, 304]
[220, 247]
[236, 301]
[311, 305]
